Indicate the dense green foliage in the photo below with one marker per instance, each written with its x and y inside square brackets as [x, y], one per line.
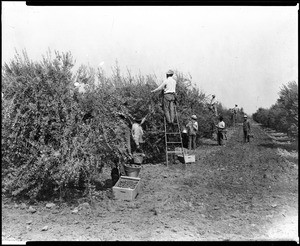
[283, 115]
[56, 138]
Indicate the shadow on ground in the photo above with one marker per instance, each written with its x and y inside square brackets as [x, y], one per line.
[288, 147]
[103, 186]
[207, 142]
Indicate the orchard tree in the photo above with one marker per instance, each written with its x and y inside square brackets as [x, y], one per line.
[283, 115]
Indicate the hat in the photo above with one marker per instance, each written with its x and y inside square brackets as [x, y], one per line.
[245, 116]
[170, 72]
[138, 120]
[194, 117]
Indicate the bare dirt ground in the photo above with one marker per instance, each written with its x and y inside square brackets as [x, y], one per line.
[233, 192]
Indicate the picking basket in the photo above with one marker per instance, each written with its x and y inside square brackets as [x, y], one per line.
[138, 158]
[132, 170]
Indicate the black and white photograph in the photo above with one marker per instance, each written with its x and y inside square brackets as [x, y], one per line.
[149, 123]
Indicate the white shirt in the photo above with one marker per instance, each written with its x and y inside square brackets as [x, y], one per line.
[168, 86]
[137, 133]
[80, 87]
[213, 101]
[221, 124]
[195, 125]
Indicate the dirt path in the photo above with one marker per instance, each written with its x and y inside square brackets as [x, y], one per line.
[233, 192]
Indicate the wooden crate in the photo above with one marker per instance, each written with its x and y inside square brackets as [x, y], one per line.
[187, 158]
[178, 149]
[126, 193]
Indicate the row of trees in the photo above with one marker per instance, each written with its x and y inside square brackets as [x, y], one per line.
[55, 138]
[283, 115]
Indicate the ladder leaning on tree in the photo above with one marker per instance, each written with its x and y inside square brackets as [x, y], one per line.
[173, 138]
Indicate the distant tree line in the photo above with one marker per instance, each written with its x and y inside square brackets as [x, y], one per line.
[56, 139]
[283, 115]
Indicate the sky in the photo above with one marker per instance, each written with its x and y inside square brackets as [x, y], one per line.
[241, 54]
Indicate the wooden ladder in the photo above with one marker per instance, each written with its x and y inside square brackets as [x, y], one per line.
[178, 139]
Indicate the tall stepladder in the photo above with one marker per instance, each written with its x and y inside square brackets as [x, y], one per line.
[173, 138]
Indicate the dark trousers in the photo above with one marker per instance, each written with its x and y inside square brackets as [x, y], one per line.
[246, 136]
[234, 119]
[185, 140]
[192, 142]
[212, 128]
[168, 105]
[220, 137]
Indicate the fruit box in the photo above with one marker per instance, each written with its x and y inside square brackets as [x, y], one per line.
[187, 158]
[127, 193]
[178, 149]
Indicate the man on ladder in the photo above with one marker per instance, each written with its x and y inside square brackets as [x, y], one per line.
[235, 112]
[169, 86]
[213, 105]
[173, 131]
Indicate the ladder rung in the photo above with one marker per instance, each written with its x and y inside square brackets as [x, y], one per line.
[173, 142]
[172, 132]
[174, 152]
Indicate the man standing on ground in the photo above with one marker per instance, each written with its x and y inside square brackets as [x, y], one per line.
[220, 127]
[137, 132]
[185, 138]
[192, 127]
[169, 86]
[124, 142]
[246, 129]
